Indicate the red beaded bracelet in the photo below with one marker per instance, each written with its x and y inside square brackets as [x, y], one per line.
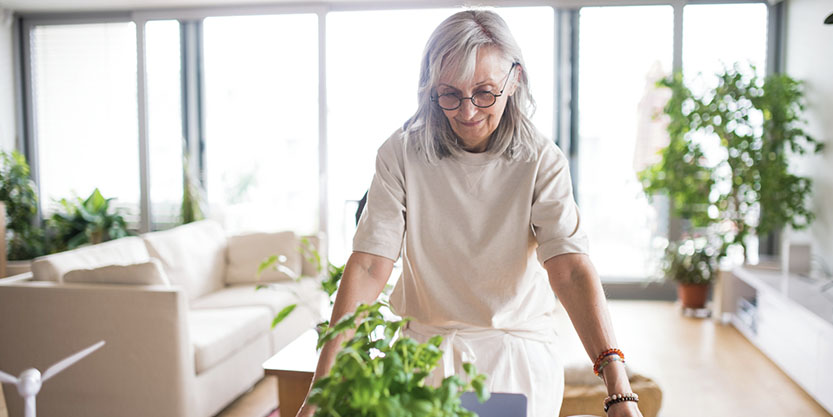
[606, 353]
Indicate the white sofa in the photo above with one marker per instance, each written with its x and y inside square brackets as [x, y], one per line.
[186, 332]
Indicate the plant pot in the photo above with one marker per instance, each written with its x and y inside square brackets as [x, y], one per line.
[693, 295]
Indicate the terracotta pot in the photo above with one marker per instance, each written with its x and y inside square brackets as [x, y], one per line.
[693, 295]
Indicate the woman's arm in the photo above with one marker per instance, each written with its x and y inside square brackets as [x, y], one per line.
[575, 282]
[364, 278]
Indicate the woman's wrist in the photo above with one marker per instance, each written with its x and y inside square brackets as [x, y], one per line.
[622, 405]
[616, 378]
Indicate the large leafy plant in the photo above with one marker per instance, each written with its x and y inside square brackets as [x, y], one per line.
[758, 127]
[83, 221]
[380, 373]
[17, 191]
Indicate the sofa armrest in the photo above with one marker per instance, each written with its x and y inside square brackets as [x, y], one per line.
[26, 276]
[146, 367]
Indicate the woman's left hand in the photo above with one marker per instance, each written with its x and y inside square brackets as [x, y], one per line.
[624, 409]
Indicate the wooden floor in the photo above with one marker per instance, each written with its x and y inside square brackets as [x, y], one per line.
[703, 368]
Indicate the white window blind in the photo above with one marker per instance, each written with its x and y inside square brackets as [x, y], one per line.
[85, 112]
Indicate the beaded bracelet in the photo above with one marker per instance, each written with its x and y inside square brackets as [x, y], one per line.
[619, 398]
[606, 353]
[610, 359]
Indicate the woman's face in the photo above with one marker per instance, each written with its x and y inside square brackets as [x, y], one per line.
[474, 125]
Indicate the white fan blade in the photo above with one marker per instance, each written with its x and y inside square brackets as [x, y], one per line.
[66, 363]
[4, 377]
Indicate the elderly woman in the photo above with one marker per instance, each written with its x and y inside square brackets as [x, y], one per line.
[475, 200]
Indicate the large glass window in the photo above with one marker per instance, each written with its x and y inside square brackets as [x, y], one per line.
[261, 119]
[706, 52]
[623, 51]
[164, 121]
[84, 85]
[717, 36]
[363, 66]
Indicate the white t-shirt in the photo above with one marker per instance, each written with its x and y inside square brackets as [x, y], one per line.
[469, 229]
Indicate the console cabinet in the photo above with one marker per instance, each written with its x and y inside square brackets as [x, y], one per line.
[790, 319]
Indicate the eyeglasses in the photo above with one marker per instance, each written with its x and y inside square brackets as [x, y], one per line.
[481, 99]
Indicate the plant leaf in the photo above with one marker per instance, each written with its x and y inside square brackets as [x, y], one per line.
[283, 314]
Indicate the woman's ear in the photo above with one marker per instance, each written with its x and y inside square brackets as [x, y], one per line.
[516, 79]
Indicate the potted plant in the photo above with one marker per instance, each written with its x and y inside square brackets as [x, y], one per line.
[17, 191]
[692, 264]
[380, 373]
[752, 129]
[754, 126]
[85, 221]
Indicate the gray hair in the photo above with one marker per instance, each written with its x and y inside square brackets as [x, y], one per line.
[453, 47]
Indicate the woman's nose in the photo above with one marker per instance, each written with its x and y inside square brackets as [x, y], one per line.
[467, 108]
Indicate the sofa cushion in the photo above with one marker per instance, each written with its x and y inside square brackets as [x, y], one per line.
[306, 293]
[218, 333]
[247, 251]
[280, 295]
[124, 251]
[146, 273]
[193, 256]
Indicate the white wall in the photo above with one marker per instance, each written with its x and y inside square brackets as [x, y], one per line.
[7, 102]
[809, 57]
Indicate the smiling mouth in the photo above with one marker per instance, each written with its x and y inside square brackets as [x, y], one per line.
[470, 124]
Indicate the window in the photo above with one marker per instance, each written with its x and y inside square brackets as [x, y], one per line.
[164, 121]
[85, 106]
[706, 51]
[261, 121]
[363, 66]
[623, 51]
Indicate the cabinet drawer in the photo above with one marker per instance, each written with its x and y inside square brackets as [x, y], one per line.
[788, 340]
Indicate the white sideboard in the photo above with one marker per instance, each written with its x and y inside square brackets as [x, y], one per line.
[790, 320]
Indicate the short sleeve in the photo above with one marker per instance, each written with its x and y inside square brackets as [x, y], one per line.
[381, 227]
[555, 218]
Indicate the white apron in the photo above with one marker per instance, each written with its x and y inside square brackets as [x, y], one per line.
[522, 361]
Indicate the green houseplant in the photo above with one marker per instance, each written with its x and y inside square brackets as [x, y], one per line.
[753, 126]
[17, 191]
[85, 221]
[692, 264]
[381, 373]
[757, 126]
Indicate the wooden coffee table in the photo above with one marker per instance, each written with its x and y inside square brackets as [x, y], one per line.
[294, 366]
